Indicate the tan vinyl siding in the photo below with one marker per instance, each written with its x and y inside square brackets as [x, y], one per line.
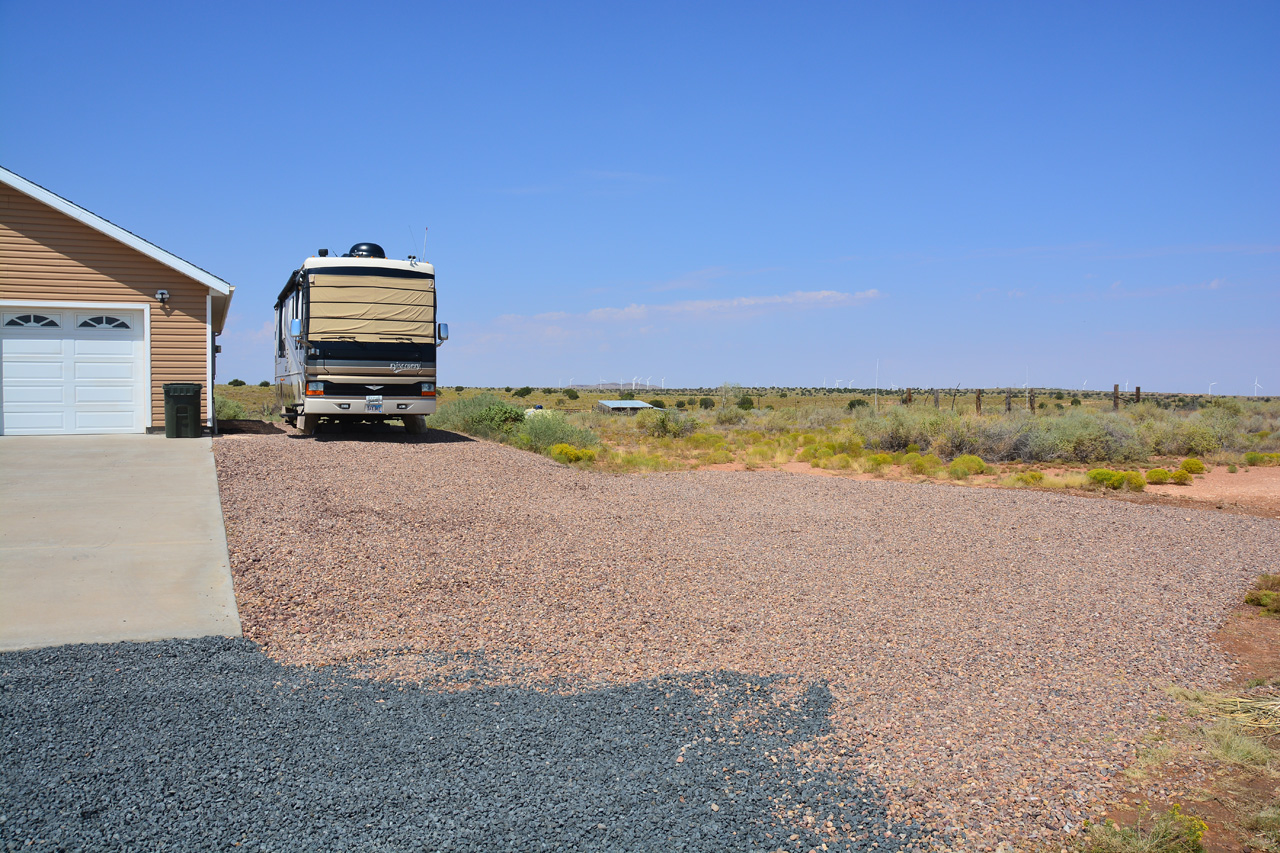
[47, 256]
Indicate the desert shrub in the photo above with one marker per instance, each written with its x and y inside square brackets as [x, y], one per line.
[1192, 466]
[1254, 458]
[705, 403]
[1157, 476]
[965, 466]
[928, 464]
[1181, 478]
[237, 383]
[1105, 478]
[228, 410]
[458, 388]
[661, 423]
[856, 403]
[874, 463]
[552, 428]
[910, 459]
[1231, 468]
[727, 417]
[507, 389]
[264, 384]
[483, 415]
[571, 393]
[680, 404]
[627, 395]
[1075, 401]
[522, 392]
[568, 454]
[658, 403]
[1134, 482]
[840, 462]
[913, 448]
[1170, 832]
[718, 457]
[745, 403]
[704, 440]
[1028, 478]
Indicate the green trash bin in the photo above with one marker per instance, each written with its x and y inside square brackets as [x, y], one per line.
[182, 410]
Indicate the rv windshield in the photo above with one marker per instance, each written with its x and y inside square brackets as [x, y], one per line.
[371, 308]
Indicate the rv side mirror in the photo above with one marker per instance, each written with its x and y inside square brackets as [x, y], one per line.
[295, 328]
[443, 332]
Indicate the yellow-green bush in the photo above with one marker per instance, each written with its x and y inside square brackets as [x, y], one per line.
[1254, 459]
[963, 467]
[1029, 478]
[927, 464]
[1134, 482]
[1192, 466]
[876, 461]
[1181, 477]
[1105, 478]
[718, 457]
[568, 454]
[839, 462]
[1157, 476]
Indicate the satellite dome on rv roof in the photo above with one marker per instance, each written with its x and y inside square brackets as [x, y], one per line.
[366, 250]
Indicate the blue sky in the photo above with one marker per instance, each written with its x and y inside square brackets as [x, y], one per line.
[758, 193]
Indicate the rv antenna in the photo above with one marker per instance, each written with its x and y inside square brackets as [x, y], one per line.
[425, 229]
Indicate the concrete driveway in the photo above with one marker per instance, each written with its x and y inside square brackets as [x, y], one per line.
[106, 538]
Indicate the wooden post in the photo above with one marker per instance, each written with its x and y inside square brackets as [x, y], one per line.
[937, 399]
[977, 402]
[1008, 399]
[908, 396]
[1137, 393]
[1115, 397]
[1031, 399]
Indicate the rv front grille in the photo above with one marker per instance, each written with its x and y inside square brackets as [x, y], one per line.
[341, 389]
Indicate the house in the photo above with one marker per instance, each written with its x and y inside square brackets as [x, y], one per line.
[621, 407]
[94, 320]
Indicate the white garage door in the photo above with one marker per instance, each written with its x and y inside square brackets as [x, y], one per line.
[72, 371]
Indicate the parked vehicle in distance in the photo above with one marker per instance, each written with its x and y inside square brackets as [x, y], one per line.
[356, 339]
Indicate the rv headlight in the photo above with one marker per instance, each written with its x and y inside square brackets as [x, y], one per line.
[315, 389]
[428, 389]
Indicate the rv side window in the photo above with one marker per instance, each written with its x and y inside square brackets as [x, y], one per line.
[280, 331]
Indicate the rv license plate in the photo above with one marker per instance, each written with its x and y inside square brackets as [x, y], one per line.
[373, 403]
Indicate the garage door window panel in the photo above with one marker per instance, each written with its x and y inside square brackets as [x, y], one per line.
[106, 322]
[32, 321]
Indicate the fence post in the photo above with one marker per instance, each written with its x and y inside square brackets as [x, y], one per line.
[977, 402]
[1115, 397]
[1137, 393]
[908, 396]
[937, 399]
[1031, 400]
[1008, 399]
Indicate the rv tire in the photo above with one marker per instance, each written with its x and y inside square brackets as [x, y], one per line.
[415, 424]
[307, 424]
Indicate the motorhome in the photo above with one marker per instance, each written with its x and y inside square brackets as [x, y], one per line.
[356, 339]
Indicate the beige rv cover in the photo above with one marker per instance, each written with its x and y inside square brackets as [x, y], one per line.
[372, 308]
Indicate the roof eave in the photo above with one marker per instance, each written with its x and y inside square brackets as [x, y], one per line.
[115, 232]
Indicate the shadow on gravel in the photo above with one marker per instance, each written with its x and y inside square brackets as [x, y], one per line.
[381, 433]
[208, 743]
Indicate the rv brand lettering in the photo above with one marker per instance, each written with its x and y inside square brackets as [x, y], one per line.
[397, 366]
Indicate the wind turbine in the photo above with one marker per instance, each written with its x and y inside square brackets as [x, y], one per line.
[1211, 384]
[1256, 386]
[647, 383]
[1084, 383]
[664, 383]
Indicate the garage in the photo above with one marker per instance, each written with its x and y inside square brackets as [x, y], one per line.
[95, 320]
[67, 371]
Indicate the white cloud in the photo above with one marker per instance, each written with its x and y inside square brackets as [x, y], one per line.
[637, 318]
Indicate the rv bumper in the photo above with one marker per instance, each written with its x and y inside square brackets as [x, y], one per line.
[391, 406]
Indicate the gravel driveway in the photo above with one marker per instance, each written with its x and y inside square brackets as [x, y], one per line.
[207, 744]
[993, 658]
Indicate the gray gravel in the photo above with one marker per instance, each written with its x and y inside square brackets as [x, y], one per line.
[208, 744]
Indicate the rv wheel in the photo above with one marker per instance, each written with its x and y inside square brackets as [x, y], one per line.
[415, 424]
[307, 424]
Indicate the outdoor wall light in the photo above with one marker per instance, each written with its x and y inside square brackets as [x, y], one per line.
[162, 296]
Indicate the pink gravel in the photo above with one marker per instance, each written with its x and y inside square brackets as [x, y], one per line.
[996, 656]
